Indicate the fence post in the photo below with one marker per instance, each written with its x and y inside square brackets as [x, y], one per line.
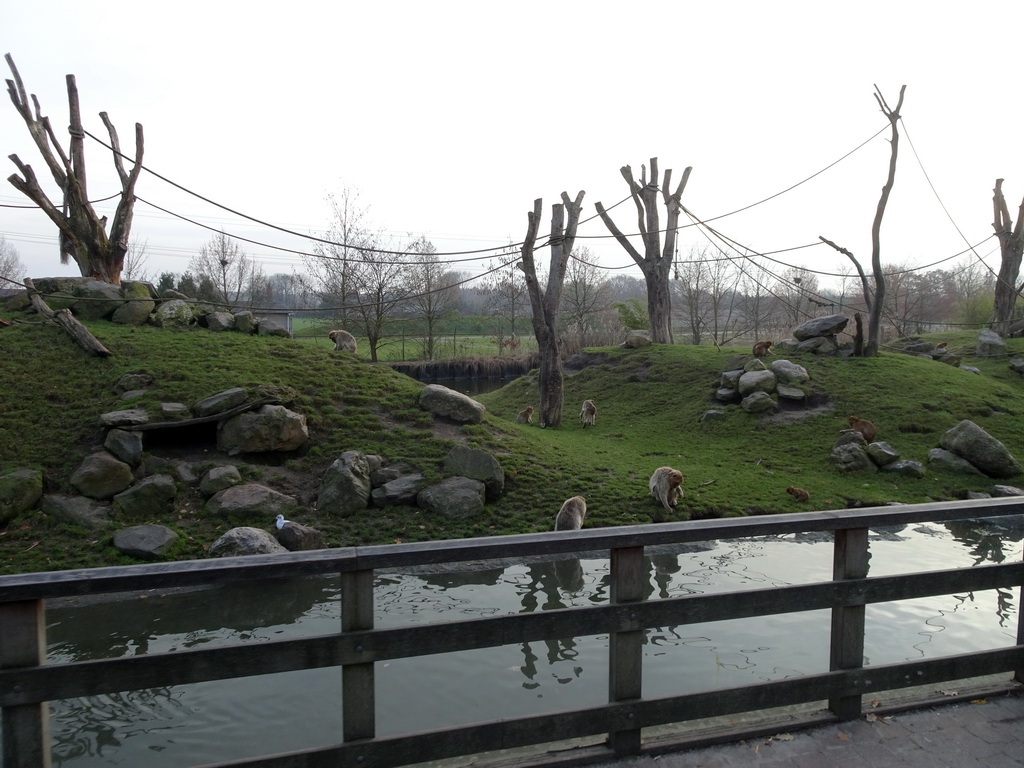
[26, 728]
[849, 561]
[357, 685]
[625, 649]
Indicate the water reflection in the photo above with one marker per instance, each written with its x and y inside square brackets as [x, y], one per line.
[227, 719]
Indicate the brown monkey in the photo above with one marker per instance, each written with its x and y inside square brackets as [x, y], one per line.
[588, 413]
[798, 493]
[343, 341]
[666, 486]
[865, 427]
[941, 345]
[526, 415]
[571, 515]
[763, 348]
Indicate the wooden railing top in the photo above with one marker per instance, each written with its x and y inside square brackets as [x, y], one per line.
[87, 581]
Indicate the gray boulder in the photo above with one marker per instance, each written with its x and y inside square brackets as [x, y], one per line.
[19, 492]
[455, 497]
[990, 344]
[146, 542]
[220, 321]
[245, 541]
[939, 458]
[296, 537]
[175, 313]
[786, 392]
[154, 495]
[222, 401]
[101, 475]
[1017, 365]
[127, 446]
[463, 461]
[970, 369]
[637, 339]
[1002, 491]
[851, 457]
[220, 479]
[731, 379]
[711, 415]
[821, 326]
[787, 372]
[881, 453]
[758, 402]
[245, 322]
[137, 308]
[97, 299]
[905, 467]
[345, 487]
[250, 500]
[131, 417]
[450, 404]
[174, 411]
[757, 381]
[401, 490]
[726, 395]
[969, 441]
[271, 428]
[850, 437]
[815, 345]
[77, 510]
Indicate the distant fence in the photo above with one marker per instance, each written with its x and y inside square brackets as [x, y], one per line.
[28, 683]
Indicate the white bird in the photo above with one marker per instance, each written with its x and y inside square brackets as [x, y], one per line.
[281, 521]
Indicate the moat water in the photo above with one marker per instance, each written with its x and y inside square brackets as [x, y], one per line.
[230, 719]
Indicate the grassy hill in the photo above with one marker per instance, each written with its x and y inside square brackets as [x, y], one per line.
[649, 406]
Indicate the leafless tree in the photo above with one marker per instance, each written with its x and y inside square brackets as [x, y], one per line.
[330, 269]
[227, 275]
[545, 301]
[656, 261]
[508, 300]
[378, 289]
[83, 233]
[1011, 247]
[11, 267]
[135, 261]
[433, 295]
[585, 299]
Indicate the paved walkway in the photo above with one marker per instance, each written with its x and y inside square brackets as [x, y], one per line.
[986, 733]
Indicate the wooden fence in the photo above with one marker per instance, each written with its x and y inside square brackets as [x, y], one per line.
[28, 683]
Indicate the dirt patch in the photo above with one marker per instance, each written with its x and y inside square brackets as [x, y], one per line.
[791, 411]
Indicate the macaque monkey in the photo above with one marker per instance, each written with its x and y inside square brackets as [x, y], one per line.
[941, 345]
[588, 413]
[763, 348]
[798, 493]
[571, 515]
[865, 427]
[526, 415]
[343, 341]
[666, 486]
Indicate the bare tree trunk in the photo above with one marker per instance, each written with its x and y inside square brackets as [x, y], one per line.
[656, 261]
[83, 234]
[1011, 248]
[545, 303]
[875, 317]
[64, 319]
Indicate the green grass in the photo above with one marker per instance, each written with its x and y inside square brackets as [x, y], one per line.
[649, 406]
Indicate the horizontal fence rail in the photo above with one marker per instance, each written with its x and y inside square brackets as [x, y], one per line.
[28, 683]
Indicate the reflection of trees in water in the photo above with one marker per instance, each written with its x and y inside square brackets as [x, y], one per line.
[79, 630]
[96, 725]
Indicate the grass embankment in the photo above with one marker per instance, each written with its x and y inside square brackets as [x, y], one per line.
[649, 405]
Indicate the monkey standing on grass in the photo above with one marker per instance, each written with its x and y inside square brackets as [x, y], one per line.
[343, 341]
[571, 515]
[588, 413]
[526, 415]
[666, 486]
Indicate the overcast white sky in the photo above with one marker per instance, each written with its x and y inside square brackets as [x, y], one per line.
[450, 118]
